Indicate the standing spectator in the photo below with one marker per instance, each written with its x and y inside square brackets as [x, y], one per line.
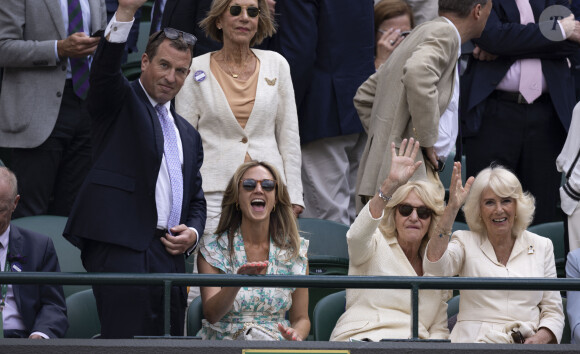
[157, 15]
[393, 22]
[44, 56]
[567, 163]
[573, 304]
[28, 310]
[415, 94]
[241, 101]
[517, 99]
[329, 45]
[185, 15]
[141, 206]
[424, 10]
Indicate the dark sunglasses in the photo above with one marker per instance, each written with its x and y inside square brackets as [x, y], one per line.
[422, 212]
[250, 184]
[252, 11]
[172, 33]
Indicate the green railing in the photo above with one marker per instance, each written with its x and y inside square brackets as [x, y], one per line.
[292, 281]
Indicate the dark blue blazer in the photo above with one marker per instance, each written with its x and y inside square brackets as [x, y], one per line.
[116, 203]
[506, 37]
[329, 45]
[42, 306]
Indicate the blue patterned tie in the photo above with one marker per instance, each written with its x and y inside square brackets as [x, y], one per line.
[170, 149]
[79, 66]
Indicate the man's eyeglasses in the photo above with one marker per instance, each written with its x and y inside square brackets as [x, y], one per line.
[250, 184]
[172, 33]
[422, 212]
[252, 11]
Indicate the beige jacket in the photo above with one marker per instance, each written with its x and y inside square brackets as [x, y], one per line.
[384, 313]
[405, 98]
[271, 133]
[480, 312]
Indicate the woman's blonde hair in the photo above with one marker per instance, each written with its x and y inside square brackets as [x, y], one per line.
[266, 24]
[283, 228]
[506, 185]
[427, 192]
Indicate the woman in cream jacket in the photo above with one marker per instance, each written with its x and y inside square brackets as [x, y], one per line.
[498, 245]
[241, 101]
[387, 238]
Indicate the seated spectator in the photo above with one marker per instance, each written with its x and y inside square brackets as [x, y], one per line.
[32, 310]
[573, 305]
[498, 213]
[393, 22]
[256, 234]
[388, 239]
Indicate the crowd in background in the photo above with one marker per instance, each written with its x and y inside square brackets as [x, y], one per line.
[332, 109]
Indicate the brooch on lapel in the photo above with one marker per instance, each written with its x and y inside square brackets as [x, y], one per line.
[531, 250]
[199, 76]
[271, 82]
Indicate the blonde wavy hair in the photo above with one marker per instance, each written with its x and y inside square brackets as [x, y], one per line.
[506, 185]
[427, 192]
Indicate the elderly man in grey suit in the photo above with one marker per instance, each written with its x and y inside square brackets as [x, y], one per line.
[44, 63]
[415, 94]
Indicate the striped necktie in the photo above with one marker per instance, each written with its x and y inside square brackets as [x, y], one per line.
[79, 66]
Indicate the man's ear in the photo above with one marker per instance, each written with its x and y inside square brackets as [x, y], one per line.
[477, 11]
[144, 61]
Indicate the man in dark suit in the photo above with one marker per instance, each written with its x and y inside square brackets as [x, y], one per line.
[329, 46]
[502, 123]
[29, 311]
[141, 206]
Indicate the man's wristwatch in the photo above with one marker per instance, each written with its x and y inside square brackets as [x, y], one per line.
[384, 197]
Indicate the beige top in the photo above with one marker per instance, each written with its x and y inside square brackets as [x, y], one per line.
[271, 132]
[240, 94]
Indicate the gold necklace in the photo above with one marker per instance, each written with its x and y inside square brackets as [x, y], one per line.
[235, 76]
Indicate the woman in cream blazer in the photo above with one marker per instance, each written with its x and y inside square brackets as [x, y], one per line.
[387, 239]
[271, 130]
[498, 245]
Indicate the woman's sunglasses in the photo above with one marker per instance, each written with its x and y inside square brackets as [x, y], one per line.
[422, 212]
[252, 11]
[250, 184]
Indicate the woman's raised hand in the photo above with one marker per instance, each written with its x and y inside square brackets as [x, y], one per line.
[457, 192]
[403, 165]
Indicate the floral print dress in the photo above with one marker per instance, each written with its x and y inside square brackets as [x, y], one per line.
[264, 306]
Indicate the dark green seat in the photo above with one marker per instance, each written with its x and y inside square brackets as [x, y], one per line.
[458, 225]
[327, 254]
[194, 317]
[69, 257]
[555, 232]
[326, 313]
[82, 315]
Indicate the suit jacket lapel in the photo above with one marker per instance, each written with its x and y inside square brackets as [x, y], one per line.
[53, 8]
[15, 246]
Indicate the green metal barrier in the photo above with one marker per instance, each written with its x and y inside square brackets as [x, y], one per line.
[293, 281]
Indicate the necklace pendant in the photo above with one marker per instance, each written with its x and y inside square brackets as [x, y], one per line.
[235, 76]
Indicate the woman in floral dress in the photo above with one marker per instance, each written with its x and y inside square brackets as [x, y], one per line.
[257, 234]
